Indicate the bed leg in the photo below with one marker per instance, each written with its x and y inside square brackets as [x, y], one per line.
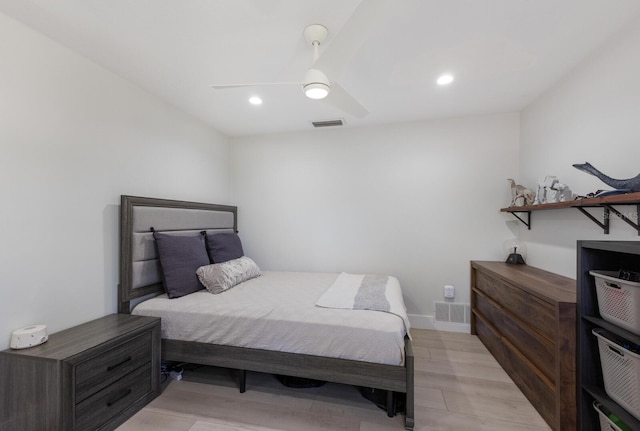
[242, 380]
[409, 423]
[409, 420]
[390, 407]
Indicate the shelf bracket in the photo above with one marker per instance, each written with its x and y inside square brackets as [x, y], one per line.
[623, 217]
[526, 223]
[604, 225]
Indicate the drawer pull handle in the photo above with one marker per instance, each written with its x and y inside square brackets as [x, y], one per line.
[114, 366]
[119, 397]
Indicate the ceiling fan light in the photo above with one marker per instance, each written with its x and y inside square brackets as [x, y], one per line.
[316, 84]
[316, 90]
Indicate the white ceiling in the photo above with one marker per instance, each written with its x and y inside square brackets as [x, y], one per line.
[503, 53]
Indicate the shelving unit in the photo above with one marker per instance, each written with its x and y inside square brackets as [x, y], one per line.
[607, 204]
[599, 255]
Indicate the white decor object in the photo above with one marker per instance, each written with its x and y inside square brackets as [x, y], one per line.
[559, 193]
[551, 190]
[28, 336]
[544, 185]
[520, 195]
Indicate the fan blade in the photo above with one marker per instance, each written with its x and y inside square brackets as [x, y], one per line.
[345, 44]
[342, 100]
[253, 84]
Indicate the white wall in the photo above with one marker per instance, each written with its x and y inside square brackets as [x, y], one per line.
[416, 200]
[73, 138]
[592, 115]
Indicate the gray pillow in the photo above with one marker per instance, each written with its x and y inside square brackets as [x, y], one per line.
[180, 257]
[219, 277]
[223, 247]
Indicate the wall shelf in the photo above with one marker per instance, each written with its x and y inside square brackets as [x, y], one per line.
[607, 204]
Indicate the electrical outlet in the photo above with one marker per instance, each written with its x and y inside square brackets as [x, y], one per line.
[449, 291]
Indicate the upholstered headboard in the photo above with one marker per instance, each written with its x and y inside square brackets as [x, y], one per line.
[140, 273]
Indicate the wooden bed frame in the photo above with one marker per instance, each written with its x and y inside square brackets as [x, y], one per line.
[367, 374]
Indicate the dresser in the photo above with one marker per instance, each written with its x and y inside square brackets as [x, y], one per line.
[90, 377]
[526, 317]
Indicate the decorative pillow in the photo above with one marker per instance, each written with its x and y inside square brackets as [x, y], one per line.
[219, 277]
[180, 257]
[223, 247]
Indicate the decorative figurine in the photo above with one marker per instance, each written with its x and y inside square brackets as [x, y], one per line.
[520, 195]
[544, 184]
[558, 192]
[631, 184]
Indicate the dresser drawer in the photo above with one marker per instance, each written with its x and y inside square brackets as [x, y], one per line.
[535, 388]
[100, 371]
[112, 400]
[537, 313]
[539, 350]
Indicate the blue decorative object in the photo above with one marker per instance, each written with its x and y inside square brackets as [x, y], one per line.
[612, 193]
[632, 184]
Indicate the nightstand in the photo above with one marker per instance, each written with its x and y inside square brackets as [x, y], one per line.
[90, 377]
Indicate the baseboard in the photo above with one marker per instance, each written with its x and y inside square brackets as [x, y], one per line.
[453, 327]
[420, 321]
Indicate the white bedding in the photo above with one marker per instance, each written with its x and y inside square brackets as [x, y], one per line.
[366, 292]
[277, 312]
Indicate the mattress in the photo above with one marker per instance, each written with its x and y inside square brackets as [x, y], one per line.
[277, 311]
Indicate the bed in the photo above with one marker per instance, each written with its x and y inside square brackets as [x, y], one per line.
[231, 338]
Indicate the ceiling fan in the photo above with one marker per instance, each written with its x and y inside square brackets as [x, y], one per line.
[315, 84]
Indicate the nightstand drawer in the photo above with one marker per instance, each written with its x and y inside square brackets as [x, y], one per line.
[112, 400]
[100, 371]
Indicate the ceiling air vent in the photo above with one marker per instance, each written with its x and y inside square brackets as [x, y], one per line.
[328, 123]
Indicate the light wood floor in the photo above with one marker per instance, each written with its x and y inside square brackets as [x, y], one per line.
[459, 386]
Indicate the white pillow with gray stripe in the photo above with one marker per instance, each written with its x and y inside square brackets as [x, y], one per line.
[219, 277]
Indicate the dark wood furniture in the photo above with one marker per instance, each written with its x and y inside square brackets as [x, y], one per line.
[607, 203]
[527, 319]
[90, 377]
[599, 255]
[138, 213]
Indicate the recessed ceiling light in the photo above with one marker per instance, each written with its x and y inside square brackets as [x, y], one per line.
[445, 79]
[255, 100]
